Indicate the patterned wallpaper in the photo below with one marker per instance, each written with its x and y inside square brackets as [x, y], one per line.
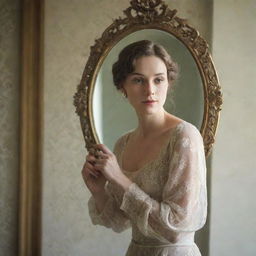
[70, 30]
[9, 124]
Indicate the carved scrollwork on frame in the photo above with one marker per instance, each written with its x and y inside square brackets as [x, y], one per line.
[151, 14]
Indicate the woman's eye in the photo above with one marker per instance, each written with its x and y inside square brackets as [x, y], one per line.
[158, 80]
[138, 80]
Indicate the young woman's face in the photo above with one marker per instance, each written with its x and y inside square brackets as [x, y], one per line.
[146, 88]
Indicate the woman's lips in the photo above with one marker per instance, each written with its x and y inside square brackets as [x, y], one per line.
[149, 101]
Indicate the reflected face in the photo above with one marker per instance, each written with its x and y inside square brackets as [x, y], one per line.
[146, 88]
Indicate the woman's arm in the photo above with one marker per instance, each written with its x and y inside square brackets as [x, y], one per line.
[100, 201]
[110, 215]
[103, 208]
[183, 206]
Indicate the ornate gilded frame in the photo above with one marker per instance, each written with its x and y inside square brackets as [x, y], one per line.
[150, 14]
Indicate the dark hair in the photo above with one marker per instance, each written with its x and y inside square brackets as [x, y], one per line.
[124, 65]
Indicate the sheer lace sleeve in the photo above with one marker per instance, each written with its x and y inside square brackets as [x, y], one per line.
[183, 206]
[111, 216]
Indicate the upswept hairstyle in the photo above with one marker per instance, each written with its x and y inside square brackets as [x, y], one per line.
[124, 65]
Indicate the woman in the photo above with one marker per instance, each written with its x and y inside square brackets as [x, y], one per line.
[155, 181]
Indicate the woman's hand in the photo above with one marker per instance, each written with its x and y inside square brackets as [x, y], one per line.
[94, 180]
[106, 163]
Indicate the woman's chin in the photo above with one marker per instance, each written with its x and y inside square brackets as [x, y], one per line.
[149, 111]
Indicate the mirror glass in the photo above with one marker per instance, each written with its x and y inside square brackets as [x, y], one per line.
[113, 115]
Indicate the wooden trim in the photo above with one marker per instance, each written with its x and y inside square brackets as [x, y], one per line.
[31, 128]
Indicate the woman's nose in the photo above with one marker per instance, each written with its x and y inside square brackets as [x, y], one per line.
[149, 88]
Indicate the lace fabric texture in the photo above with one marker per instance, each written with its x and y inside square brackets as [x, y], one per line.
[167, 201]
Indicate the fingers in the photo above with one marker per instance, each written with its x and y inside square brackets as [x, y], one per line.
[88, 169]
[94, 164]
[101, 155]
[103, 148]
[102, 164]
[99, 164]
[90, 158]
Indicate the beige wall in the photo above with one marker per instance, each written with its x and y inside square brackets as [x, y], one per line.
[70, 30]
[9, 124]
[233, 221]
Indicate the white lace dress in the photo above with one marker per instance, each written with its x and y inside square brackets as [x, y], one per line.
[167, 201]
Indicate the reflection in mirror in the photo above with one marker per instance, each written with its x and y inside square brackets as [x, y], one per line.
[112, 114]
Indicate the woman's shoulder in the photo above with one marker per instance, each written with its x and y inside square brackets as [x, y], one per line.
[186, 127]
[187, 130]
[180, 126]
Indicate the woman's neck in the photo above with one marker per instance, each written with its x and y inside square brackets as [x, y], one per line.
[151, 125]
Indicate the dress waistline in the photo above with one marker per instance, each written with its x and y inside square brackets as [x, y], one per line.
[160, 245]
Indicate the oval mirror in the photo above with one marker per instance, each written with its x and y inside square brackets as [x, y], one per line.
[196, 98]
[110, 109]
